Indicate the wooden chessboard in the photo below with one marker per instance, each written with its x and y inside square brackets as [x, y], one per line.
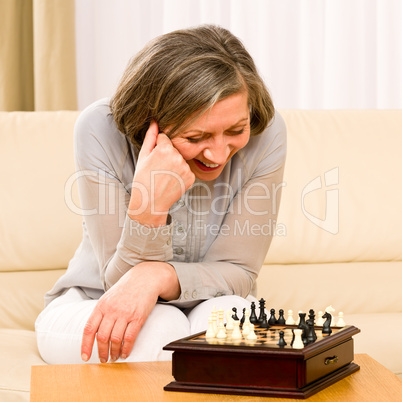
[266, 338]
[261, 367]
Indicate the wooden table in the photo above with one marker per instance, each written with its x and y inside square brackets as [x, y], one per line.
[145, 382]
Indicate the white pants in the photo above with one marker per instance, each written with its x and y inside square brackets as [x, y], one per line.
[59, 327]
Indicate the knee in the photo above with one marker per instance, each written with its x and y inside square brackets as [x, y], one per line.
[165, 324]
[168, 322]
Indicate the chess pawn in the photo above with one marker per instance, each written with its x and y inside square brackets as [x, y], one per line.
[264, 322]
[340, 322]
[210, 331]
[246, 318]
[298, 342]
[251, 335]
[281, 341]
[229, 320]
[236, 334]
[281, 319]
[272, 318]
[290, 320]
[311, 336]
[221, 331]
[246, 329]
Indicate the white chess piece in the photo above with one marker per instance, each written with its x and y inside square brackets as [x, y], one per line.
[246, 318]
[330, 310]
[246, 331]
[251, 335]
[246, 323]
[290, 320]
[221, 331]
[210, 331]
[236, 334]
[229, 320]
[220, 316]
[341, 322]
[246, 327]
[320, 320]
[298, 342]
[214, 314]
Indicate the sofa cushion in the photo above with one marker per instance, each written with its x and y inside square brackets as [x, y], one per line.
[18, 353]
[341, 200]
[37, 229]
[354, 287]
[22, 296]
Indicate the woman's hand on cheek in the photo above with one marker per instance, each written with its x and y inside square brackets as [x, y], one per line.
[162, 176]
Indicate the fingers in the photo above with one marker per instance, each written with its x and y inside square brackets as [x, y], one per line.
[119, 335]
[149, 141]
[129, 339]
[163, 139]
[102, 338]
[116, 339]
[90, 330]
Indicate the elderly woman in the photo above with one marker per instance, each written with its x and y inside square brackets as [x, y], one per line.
[179, 178]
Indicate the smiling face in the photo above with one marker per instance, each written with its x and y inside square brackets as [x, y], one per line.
[211, 140]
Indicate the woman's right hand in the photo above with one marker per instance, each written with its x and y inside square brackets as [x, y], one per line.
[161, 177]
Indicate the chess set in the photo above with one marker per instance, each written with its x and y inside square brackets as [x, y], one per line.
[276, 357]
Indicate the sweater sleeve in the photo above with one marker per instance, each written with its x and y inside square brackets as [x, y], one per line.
[119, 243]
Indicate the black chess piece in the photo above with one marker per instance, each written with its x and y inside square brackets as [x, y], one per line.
[272, 318]
[311, 335]
[293, 337]
[311, 315]
[234, 315]
[264, 323]
[253, 315]
[326, 327]
[243, 318]
[262, 310]
[281, 319]
[281, 341]
[302, 320]
[303, 326]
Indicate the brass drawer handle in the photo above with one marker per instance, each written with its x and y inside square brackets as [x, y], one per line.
[331, 360]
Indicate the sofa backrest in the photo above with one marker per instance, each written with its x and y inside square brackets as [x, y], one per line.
[340, 200]
[37, 231]
[342, 191]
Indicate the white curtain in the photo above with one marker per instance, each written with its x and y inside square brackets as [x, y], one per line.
[313, 54]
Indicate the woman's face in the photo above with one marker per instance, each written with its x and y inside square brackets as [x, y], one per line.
[209, 142]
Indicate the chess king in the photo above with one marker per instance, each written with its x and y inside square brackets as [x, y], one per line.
[188, 147]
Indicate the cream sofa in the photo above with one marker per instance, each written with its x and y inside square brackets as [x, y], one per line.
[338, 239]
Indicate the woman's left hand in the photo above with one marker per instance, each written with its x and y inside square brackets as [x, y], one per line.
[122, 310]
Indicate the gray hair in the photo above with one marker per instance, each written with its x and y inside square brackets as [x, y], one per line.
[178, 76]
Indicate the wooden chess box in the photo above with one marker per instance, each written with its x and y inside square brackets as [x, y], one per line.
[262, 368]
